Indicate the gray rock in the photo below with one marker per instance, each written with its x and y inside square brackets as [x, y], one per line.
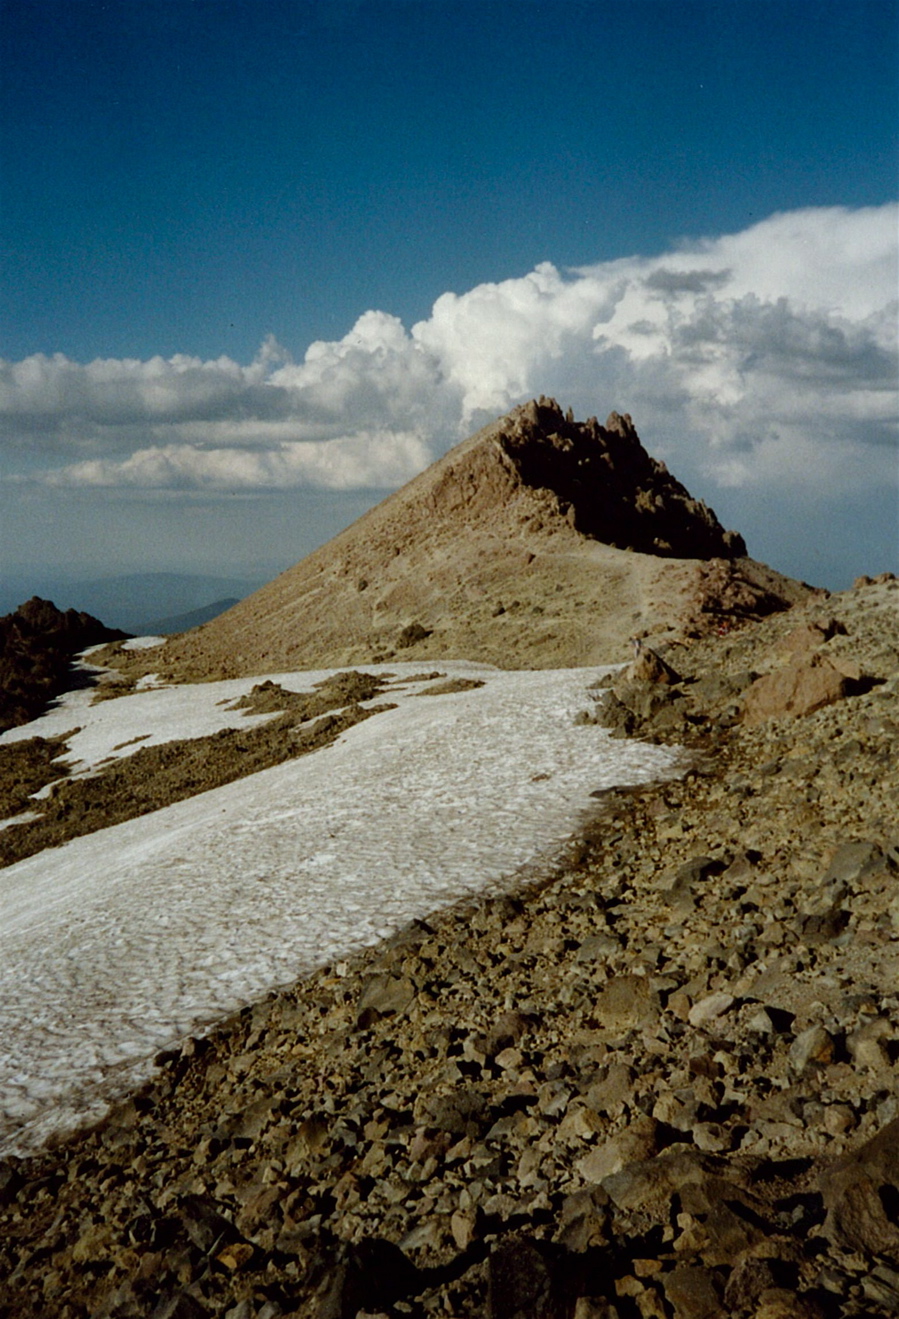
[812, 1047]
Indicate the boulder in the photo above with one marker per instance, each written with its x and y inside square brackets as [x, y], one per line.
[799, 688]
[634, 1144]
[647, 666]
[861, 1195]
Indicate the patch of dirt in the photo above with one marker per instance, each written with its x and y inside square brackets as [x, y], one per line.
[339, 689]
[26, 767]
[452, 685]
[111, 686]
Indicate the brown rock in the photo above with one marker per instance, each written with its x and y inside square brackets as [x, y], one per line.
[749, 1278]
[797, 689]
[692, 1293]
[626, 1003]
[861, 1195]
[783, 1303]
[383, 996]
[710, 1008]
[811, 635]
[613, 1091]
[855, 861]
[592, 1307]
[814, 1046]
[521, 1283]
[635, 1143]
[647, 666]
[508, 1030]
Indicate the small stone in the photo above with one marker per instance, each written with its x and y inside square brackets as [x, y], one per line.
[647, 1268]
[760, 1023]
[580, 1122]
[709, 1008]
[691, 1291]
[866, 1047]
[591, 1307]
[857, 1191]
[854, 861]
[508, 1059]
[882, 1287]
[780, 1303]
[462, 1228]
[520, 1280]
[385, 995]
[650, 667]
[838, 1119]
[637, 1142]
[749, 1278]
[813, 1047]
[235, 1256]
[712, 1137]
[626, 1003]
[93, 1244]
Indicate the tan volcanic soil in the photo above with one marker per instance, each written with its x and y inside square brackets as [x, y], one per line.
[660, 1083]
[498, 603]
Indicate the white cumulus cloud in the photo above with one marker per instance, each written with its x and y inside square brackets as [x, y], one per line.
[367, 458]
[762, 358]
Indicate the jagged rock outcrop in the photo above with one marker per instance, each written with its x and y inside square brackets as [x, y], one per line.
[538, 542]
[37, 644]
[608, 486]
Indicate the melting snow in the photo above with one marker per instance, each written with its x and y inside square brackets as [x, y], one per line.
[143, 643]
[117, 944]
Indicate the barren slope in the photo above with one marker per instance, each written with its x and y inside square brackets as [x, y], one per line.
[539, 542]
[661, 1081]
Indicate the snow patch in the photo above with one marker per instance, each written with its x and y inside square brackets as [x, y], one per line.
[143, 643]
[115, 945]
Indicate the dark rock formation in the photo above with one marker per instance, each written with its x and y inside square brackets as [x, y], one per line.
[37, 644]
[610, 488]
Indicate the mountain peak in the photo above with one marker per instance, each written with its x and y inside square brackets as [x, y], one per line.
[538, 542]
[607, 485]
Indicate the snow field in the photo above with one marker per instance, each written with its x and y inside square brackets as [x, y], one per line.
[117, 944]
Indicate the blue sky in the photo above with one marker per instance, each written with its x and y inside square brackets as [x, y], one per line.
[194, 192]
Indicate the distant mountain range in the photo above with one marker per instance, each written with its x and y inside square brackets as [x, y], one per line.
[139, 603]
[194, 618]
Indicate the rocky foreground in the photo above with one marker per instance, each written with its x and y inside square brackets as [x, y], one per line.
[659, 1084]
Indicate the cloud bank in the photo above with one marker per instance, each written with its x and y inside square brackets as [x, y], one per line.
[758, 359]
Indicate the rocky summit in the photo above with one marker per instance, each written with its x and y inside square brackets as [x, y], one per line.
[661, 1081]
[539, 542]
